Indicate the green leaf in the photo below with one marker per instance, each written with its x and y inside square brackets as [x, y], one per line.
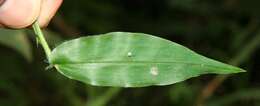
[17, 40]
[124, 59]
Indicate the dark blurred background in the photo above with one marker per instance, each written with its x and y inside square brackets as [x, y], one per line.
[225, 30]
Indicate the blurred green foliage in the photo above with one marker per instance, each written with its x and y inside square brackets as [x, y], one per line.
[219, 29]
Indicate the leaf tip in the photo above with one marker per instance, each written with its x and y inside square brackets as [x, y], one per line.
[238, 70]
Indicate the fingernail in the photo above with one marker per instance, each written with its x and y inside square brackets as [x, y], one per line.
[1, 2]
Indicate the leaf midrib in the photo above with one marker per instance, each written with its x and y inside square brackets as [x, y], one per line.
[143, 62]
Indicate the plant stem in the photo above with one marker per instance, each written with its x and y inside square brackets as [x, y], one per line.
[40, 37]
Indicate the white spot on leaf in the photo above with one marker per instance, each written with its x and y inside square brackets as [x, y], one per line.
[154, 71]
[127, 85]
[93, 83]
[129, 54]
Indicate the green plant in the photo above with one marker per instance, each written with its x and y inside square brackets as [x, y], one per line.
[123, 59]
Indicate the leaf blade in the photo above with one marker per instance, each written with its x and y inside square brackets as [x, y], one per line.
[131, 60]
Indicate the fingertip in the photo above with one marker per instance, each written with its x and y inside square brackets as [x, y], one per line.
[18, 13]
[1, 26]
[48, 10]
